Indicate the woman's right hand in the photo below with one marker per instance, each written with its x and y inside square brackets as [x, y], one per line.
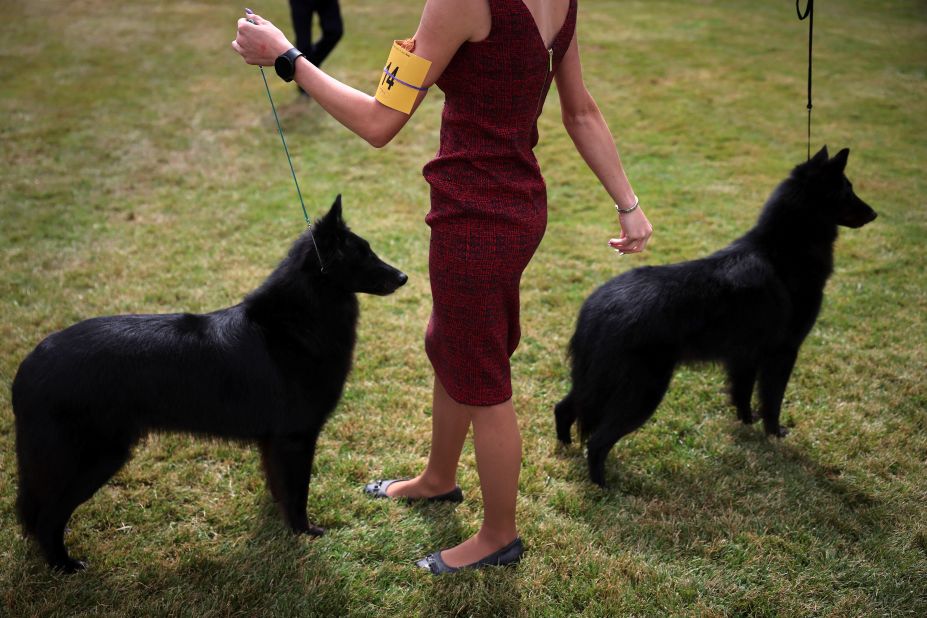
[259, 41]
[635, 232]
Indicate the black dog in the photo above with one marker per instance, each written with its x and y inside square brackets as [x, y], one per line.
[748, 306]
[268, 370]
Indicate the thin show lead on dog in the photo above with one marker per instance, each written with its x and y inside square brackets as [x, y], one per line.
[268, 370]
[495, 60]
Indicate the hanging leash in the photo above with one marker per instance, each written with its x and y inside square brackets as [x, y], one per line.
[290, 161]
[809, 15]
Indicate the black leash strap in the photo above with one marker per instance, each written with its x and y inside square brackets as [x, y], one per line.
[809, 15]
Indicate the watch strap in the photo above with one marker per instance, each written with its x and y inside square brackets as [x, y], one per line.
[285, 65]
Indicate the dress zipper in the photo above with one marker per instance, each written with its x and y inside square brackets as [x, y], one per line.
[550, 69]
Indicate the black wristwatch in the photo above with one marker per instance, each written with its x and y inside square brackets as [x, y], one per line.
[285, 64]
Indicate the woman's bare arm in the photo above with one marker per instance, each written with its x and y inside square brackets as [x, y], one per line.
[445, 25]
[592, 138]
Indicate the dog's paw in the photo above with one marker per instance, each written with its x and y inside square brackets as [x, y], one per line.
[69, 566]
[749, 418]
[312, 530]
[779, 432]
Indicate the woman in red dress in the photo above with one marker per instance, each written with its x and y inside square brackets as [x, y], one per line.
[495, 61]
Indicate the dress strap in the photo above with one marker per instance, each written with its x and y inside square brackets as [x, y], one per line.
[569, 25]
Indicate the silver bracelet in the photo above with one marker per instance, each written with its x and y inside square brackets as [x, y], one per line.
[624, 211]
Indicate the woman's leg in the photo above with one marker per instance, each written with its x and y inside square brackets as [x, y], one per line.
[497, 442]
[332, 30]
[301, 11]
[450, 422]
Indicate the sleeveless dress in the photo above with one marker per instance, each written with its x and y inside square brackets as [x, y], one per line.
[488, 200]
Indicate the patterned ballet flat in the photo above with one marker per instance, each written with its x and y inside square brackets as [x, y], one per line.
[377, 489]
[510, 554]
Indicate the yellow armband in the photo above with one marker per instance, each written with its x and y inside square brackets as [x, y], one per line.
[402, 78]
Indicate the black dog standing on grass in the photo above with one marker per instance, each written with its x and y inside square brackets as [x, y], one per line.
[748, 306]
[268, 370]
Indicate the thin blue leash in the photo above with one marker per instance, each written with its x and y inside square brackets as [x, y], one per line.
[290, 161]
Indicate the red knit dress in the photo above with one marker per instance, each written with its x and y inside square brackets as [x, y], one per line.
[488, 200]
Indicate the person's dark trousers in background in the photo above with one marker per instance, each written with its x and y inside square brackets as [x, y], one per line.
[329, 21]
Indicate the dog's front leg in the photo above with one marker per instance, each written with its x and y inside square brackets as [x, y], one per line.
[288, 464]
[741, 377]
[774, 376]
[271, 474]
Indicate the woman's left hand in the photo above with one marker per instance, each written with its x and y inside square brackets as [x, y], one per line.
[635, 232]
[259, 42]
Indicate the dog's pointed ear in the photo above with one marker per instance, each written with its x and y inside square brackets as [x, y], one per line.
[333, 219]
[335, 211]
[821, 156]
[839, 162]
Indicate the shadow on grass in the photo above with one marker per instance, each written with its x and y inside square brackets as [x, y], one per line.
[767, 486]
[442, 519]
[487, 592]
[261, 570]
[270, 572]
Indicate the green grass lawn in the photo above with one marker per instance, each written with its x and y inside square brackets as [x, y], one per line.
[141, 172]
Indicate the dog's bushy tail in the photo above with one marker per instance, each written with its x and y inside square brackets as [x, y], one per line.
[589, 374]
[27, 507]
